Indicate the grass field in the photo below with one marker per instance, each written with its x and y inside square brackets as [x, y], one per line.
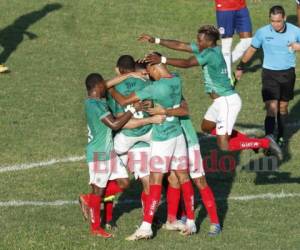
[50, 46]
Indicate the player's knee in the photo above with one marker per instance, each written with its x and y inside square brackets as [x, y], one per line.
[183, 176]
[204, 128]
[173, 180]
[283, 108]
[200, 182]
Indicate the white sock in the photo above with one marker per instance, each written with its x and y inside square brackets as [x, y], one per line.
[145, 226]
[240, 48]
[226, 51]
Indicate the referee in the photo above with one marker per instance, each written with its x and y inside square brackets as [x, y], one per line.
[279, 40]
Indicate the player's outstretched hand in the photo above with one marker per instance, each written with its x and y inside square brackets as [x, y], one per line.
[238, 74]
[146, 38]
[158, 119]
[153, 59]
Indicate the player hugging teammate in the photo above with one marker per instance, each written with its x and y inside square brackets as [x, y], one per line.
[154, 137]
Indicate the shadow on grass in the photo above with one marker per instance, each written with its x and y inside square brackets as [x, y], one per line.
[12, 35]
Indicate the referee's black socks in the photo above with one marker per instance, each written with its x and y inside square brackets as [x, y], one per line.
[269, 125]
[281, 123]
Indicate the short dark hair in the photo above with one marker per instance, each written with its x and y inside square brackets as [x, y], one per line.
[210, 32]
[126, 63]
[92, 80]
[140, 65]
[277, 9]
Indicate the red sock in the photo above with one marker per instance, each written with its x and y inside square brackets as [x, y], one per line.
[173, 198]
[181, 211]
[152, 202]
[242, 143]
[144, 198]
[112, 188]
[188, 197]
[210, 204]
[108, 208]
[95, 201]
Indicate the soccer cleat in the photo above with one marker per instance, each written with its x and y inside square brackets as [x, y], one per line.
[214, 230]
[176, 225]
[140, 234]
[189, 228]
[274, 147]
[110, 198]
[84, 205]
[3, 68]
[101, 232]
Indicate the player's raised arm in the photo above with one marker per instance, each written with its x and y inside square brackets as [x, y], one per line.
[180, 63]
[171, 44]
[118, 79]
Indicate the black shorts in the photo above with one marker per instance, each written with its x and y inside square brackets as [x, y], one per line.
[278, 84]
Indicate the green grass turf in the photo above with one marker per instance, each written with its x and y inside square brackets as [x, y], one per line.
[41, 117]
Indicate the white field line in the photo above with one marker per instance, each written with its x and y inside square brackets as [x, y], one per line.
[52, 162]
[266, 196]
[40, 164]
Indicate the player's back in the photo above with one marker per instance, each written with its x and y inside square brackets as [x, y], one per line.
[168, 93]
[99, 135]
[127, 87]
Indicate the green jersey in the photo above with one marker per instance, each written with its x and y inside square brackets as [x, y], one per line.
[100, 142]
[167, 93]
[126, 87]
[112, 104]
[214, 69]
[189, 131]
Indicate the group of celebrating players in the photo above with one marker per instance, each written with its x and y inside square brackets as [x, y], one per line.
[139, 121]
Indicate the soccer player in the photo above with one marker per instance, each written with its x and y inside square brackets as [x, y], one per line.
[279, 40]
[168, 148]
[126, 138]
[222, 114]
[103, 163]
[131, 136]
[233, 16]
[196, 169]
